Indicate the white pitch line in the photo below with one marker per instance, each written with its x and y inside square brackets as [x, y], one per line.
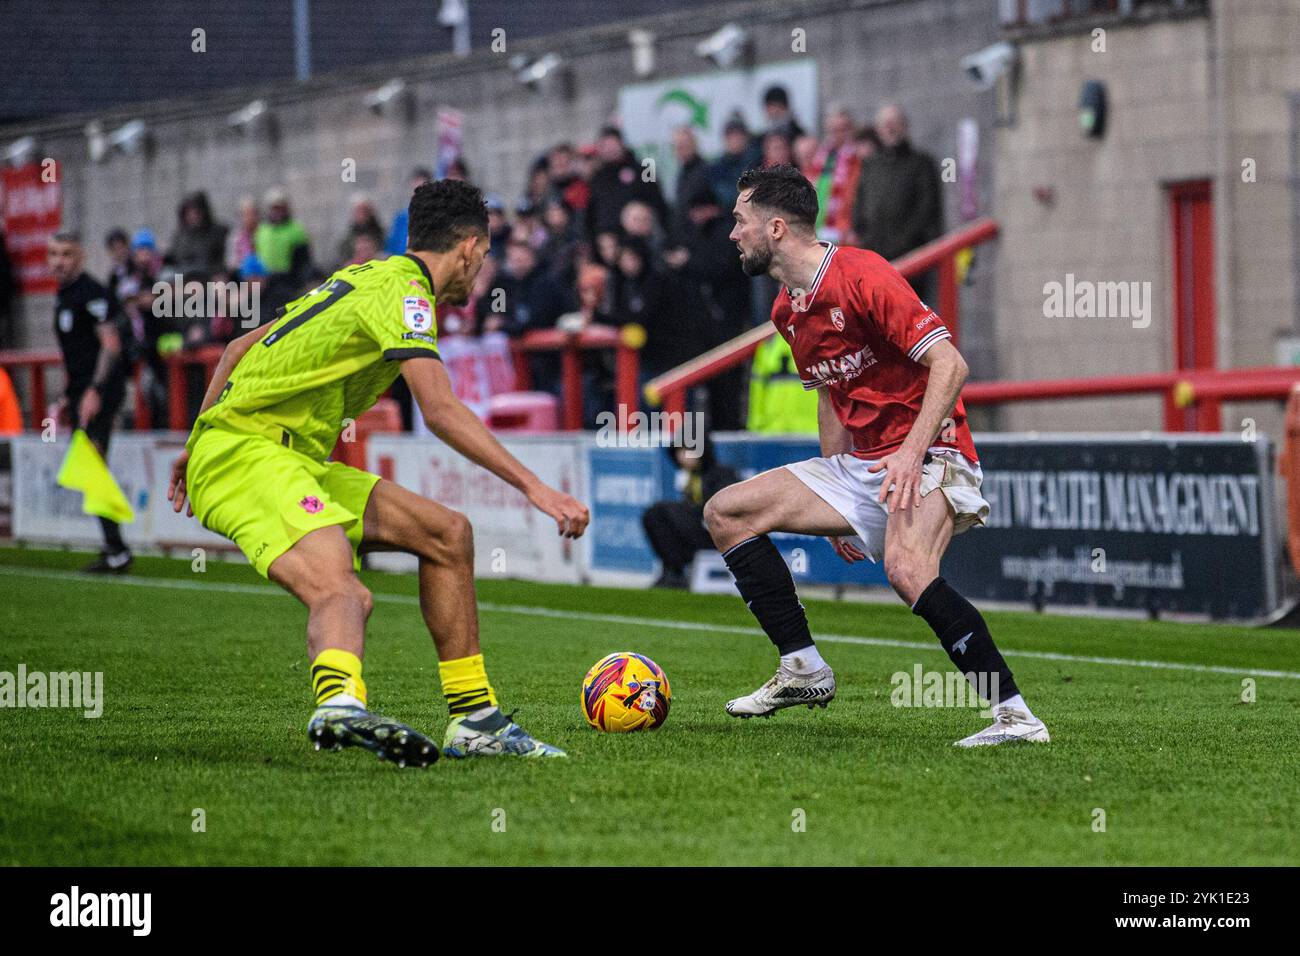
[261, 590]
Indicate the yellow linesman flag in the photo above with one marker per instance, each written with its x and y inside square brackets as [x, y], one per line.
[83, 470]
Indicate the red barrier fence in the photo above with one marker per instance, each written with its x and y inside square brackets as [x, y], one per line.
[625, 342]
[33, 363]
[1179, 389]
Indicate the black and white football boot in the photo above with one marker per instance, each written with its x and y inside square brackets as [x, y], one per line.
[786, 689]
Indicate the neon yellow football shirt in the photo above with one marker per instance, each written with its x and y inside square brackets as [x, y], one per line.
[329, 357]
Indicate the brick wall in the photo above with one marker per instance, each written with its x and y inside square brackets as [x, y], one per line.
[1189, 98]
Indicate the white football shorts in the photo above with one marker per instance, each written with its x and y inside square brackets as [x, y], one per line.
[844, 483]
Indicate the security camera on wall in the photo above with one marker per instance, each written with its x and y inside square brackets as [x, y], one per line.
[20, 151]
[131, 138]
[985, 67]
[393, 98]
[729, 45]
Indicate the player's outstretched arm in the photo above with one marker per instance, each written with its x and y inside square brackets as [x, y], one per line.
[236, 350]
[449, 419]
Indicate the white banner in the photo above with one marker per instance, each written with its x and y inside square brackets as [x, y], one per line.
[44, 512]
[512, 539]
[704, 102]
[141, 462]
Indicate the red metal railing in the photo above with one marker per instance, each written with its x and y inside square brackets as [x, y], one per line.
[1179, 389]
[625, 342]
[670, 388]
[178, 412]
[35, 363]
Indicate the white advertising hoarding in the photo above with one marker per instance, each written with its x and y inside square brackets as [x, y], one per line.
[44, 512]
[512, 539]
[705, 102]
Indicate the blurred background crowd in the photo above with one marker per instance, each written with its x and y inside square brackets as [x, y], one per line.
[593, 239]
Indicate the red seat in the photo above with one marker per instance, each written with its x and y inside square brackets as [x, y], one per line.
[524, 412]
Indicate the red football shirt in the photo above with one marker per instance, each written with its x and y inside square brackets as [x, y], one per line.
[860, 332]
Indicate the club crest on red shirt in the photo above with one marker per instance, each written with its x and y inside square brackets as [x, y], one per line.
[837, 319]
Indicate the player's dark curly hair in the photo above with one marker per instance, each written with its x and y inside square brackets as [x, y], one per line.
[784, 190]
[442, 213]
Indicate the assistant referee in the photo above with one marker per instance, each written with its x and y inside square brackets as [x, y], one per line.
[84, 322]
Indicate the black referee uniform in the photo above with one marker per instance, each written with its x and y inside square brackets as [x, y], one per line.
[79, 309]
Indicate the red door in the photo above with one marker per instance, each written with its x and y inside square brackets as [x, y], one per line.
[1191, 217]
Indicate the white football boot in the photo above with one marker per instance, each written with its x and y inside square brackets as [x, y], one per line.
[1009, 726]
[786, 689]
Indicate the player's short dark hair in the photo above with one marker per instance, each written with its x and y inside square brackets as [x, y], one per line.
[784, 190]
[444, 212]
[67, 235]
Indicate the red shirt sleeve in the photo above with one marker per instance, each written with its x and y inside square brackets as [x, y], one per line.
[904, 319]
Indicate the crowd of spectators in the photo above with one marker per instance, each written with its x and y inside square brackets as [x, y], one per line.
[590, 240]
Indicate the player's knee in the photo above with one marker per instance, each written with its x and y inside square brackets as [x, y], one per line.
[452, 540]
[339, 590]
[362, 597]
[907, 572]
[720, 510]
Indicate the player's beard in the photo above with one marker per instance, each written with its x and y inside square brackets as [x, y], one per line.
[757, 263]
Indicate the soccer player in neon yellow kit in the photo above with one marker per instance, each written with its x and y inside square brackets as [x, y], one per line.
[255, 470]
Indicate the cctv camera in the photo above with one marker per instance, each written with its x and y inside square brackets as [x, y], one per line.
[985, 66]
[21, 151]
[130, 138]
[390, 95]
[533, 74]
[724, 47]
[248, 117]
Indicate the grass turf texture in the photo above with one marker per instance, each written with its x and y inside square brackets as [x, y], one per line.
[207, 699]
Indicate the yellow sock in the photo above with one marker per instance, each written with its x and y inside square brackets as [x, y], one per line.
[465, 685]
[336, 672]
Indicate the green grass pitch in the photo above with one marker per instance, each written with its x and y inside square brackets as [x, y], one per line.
[207, 699]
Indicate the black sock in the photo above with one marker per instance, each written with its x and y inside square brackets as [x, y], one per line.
[964, 635]
[113, 543]
[767, 586]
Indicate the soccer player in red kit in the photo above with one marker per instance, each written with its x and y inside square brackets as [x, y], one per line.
[893, 432]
